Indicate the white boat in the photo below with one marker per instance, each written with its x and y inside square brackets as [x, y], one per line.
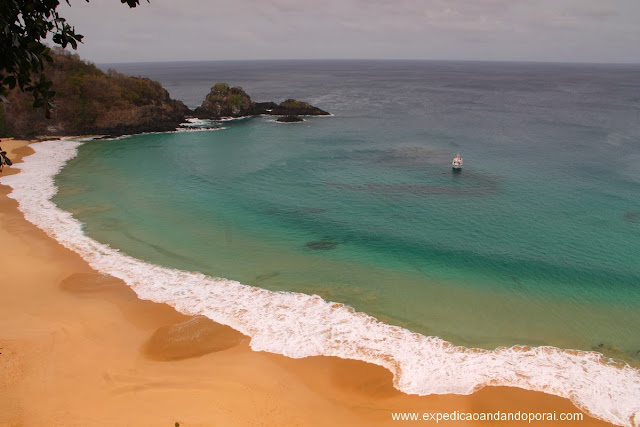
[456, 164]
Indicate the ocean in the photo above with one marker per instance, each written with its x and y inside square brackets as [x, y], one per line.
[351, 236]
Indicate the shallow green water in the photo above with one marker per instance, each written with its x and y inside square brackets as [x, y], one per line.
[536, 241]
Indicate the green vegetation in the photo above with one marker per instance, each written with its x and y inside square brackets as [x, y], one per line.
[236, 100]
[295, 104]
[24, 26]
[223, 88]
[92, 102]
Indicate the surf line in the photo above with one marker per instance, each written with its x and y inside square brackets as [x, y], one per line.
[299, 325]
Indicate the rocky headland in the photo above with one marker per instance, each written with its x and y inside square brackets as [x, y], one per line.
[92, 102]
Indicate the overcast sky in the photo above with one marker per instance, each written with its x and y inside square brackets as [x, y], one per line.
[518, 30]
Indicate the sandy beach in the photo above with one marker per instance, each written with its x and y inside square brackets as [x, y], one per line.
[79, 348]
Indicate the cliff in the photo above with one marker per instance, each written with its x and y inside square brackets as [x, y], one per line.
[89, 101]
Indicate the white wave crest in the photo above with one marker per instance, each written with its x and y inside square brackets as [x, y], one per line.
[299, 325]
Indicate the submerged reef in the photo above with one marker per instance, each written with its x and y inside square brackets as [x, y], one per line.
[322, 245]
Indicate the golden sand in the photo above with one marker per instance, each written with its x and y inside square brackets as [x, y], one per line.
[79, 348]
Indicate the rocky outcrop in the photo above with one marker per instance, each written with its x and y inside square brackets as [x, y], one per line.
[89, 101]
[292, 107]
[162, 115]
[224, 101]
[289, 119]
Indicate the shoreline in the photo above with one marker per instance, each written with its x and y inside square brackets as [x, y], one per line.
[70, 331]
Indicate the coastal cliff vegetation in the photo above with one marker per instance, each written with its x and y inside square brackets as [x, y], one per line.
[89, 101]
[26, 28]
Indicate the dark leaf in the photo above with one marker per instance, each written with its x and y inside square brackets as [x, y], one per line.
[10, 81]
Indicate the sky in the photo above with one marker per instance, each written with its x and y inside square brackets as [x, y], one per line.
[503, 30]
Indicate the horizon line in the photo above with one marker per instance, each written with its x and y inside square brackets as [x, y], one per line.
[502, 61]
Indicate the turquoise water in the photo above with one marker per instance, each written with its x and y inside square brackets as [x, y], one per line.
[536, 242]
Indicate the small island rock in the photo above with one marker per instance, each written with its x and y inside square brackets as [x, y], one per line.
[292, 107]
[289, 119]
[224, 101]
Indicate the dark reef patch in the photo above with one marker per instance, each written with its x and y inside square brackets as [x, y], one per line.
[324, 244]
[418, 189]
[297, 211]
[412, 157]
[632, 216]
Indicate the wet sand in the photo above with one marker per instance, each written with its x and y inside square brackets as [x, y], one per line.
[79, 348]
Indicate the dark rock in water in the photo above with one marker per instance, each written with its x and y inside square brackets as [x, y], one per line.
[289, 119]
[293, 107]
[264, 107]
[322, 245]
[224, 101]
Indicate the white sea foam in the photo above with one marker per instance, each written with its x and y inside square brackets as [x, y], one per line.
[299, 325]
[196, 129]
[194, 121]
[189, 127]
[233, 119]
